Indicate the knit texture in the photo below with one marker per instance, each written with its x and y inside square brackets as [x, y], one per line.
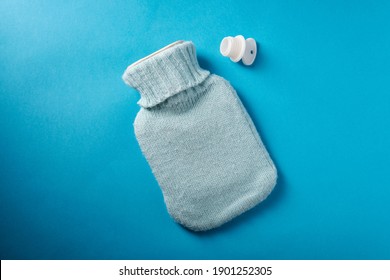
[198, 139]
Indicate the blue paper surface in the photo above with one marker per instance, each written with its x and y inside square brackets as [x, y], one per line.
[73, 181]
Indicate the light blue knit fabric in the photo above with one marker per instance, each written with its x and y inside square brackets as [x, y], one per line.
[198, 139]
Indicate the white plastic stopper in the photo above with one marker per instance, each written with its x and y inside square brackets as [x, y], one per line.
[237, 48]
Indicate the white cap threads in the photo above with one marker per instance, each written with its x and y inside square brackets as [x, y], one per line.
[238, 48]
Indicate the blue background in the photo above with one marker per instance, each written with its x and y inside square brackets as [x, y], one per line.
[74, 184]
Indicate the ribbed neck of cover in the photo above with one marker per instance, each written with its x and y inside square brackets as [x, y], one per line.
[165, 73]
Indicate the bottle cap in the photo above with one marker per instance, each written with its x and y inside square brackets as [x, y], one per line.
[237, 48]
